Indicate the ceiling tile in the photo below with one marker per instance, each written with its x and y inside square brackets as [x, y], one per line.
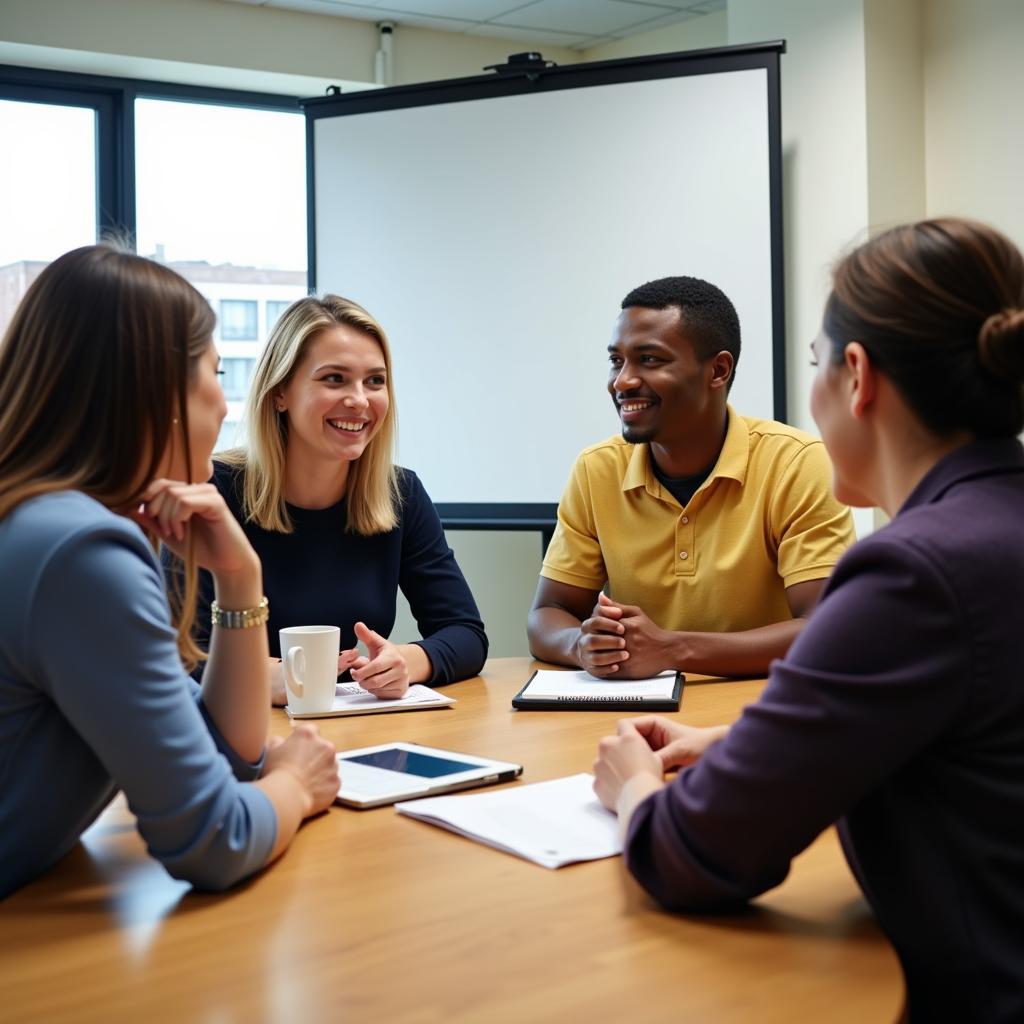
[534, 37]
[361, 12]
[593, 17]
[677, 5]
[466, 10]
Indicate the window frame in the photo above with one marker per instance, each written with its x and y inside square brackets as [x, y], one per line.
[113, 100]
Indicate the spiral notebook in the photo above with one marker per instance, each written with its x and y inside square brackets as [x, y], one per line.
[552, 690]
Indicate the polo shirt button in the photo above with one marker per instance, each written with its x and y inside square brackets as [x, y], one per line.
[683, 555]
[686, 519]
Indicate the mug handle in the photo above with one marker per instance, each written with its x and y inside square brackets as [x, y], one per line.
[291, 675]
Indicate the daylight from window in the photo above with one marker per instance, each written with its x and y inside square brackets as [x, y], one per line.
[222, 199]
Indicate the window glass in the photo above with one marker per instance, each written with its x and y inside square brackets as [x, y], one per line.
[47, 191]
[221, 198]
[274, 311]
[238, 319]
[237, 374]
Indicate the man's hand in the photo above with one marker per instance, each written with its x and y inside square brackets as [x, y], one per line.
[649, 646]
[600, 648]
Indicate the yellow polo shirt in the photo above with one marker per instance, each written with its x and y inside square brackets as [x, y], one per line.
[764, 520]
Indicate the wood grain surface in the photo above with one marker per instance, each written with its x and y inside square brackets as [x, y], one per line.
[374, 917]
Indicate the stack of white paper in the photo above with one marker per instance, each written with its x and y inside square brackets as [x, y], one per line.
[352, 699]
[551, 823]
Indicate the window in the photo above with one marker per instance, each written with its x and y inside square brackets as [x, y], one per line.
[237, 374]
[47, 191]
[195, 196]
[274, 310]
[238, 320]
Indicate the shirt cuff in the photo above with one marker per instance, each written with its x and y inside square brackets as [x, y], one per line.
[244, 771]
[573, 579]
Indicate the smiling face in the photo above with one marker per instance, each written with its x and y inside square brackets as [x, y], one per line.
[661, 390]
[336, 398]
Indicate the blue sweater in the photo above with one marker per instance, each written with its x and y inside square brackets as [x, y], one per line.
[93, 699]
[322, 575]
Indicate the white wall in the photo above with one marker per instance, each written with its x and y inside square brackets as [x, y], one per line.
[871, 90]
[221, 35]
[894, 59]
[974, 111]
[693, 34]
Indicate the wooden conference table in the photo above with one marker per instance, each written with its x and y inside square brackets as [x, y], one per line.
[374, 917]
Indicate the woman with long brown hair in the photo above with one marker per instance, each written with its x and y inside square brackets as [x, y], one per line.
[339, 528]
[899, 711]
[109, 409]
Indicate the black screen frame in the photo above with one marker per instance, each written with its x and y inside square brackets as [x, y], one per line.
[511, 80]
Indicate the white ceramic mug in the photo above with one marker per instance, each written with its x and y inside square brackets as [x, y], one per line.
[309, 658]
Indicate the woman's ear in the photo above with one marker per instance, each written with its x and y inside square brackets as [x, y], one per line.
[279, 402]
[863, 378]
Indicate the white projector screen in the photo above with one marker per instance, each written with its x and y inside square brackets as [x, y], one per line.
[493, 227]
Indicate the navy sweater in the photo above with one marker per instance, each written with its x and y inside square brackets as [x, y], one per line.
[321, 575]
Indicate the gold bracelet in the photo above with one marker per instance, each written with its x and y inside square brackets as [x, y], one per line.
[243, 619]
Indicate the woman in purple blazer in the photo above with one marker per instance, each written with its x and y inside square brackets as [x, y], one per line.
[899, 711]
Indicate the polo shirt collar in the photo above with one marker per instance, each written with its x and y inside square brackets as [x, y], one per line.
[989, 457]
[732, 459]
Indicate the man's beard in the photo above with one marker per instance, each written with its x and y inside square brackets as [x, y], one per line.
[638, 435]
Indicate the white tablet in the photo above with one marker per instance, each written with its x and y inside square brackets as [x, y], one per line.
[373, 776]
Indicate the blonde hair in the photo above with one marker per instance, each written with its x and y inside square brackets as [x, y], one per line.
[94, 371]
[372, 488]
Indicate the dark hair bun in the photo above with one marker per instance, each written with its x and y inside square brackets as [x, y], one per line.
[1001, 344]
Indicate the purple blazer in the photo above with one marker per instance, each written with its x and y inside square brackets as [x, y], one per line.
[899, 714]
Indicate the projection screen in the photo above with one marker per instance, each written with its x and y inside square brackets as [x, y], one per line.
[493, 225]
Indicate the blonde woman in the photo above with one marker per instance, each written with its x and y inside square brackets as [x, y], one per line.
[338, 527]
[109, 408]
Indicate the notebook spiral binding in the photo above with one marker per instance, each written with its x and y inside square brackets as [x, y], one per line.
[588, 699]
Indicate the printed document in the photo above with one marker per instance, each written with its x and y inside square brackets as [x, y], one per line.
[551, 823]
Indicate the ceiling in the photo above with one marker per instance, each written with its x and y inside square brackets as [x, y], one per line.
[576, 24]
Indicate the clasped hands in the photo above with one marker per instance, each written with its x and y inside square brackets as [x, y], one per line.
[647, 747]
[384, 673]
[620, 641]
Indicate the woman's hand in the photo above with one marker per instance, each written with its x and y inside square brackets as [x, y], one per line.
[622, 758]
[385, 673]
[278, 688]
[676, 744]
[169, 508]
[311, 760]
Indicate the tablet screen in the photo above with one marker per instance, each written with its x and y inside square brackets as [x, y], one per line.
[408, 762]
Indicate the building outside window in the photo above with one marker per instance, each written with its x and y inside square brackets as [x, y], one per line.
[274, 311]
[61, 187]
[237, 374]
[238, 320]
[47, 191]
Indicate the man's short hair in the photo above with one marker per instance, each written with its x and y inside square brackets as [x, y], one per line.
[709, 319]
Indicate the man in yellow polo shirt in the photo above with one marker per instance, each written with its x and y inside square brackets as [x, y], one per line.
[714, 532]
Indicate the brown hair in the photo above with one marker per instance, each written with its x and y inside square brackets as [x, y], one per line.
[94, 371]
[939, 308]
[372, 490]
